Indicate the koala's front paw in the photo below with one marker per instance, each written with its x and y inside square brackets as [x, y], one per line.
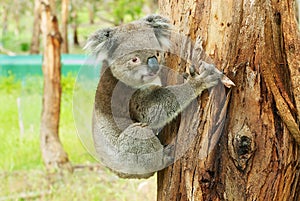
[204, 76]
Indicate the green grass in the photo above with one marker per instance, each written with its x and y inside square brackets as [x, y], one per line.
[21, 167]
[21, 150]
[81, 185]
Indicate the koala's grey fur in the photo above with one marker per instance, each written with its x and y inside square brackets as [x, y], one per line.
[130, 104]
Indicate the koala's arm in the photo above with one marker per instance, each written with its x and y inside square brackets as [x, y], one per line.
[136, 152]
[156, 106]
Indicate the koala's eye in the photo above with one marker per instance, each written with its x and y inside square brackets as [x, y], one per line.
[107, 34]
[135, 59]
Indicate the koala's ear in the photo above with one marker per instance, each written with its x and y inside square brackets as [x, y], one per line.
[161, 26]
[97, 42]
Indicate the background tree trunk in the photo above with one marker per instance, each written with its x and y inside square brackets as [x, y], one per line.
[35, 40]
[16, 16]
[91, 10]
[74, 26]
[54, 156]
[256, 44]
[65, 16]
[4, 22]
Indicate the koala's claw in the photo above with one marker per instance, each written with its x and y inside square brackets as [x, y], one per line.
[185, 75]
[204, 76]
[192, 70]
[208, 72]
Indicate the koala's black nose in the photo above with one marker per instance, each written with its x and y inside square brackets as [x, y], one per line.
[153, 64]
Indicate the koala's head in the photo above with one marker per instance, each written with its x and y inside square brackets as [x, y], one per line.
[132, 50]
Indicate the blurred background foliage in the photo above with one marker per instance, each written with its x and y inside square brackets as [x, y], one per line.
[85, 16]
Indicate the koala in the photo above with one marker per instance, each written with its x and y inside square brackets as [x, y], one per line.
[131, 105]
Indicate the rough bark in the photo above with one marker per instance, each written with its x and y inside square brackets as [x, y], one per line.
[64, 31]
[256, 44]
[298, 12]
[35, 40]
[55, 158]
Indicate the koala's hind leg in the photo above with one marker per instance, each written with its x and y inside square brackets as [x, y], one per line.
[141, 150]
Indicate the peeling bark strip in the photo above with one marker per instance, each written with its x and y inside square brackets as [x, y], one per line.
[291, 47]
[52, 152]
[257, 45]
[276, 77]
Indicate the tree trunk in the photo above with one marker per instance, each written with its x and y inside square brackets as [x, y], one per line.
[16, 16]
[4, 22]
[257, 45]
[35, 40]
[65, 15]
[91, 10]
[52, 4]
[75, 36]
[53, 154]
[74, 26]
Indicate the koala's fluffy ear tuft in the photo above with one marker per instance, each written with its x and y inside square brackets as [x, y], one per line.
[96, 43]
[161, 26]
[157, 21]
